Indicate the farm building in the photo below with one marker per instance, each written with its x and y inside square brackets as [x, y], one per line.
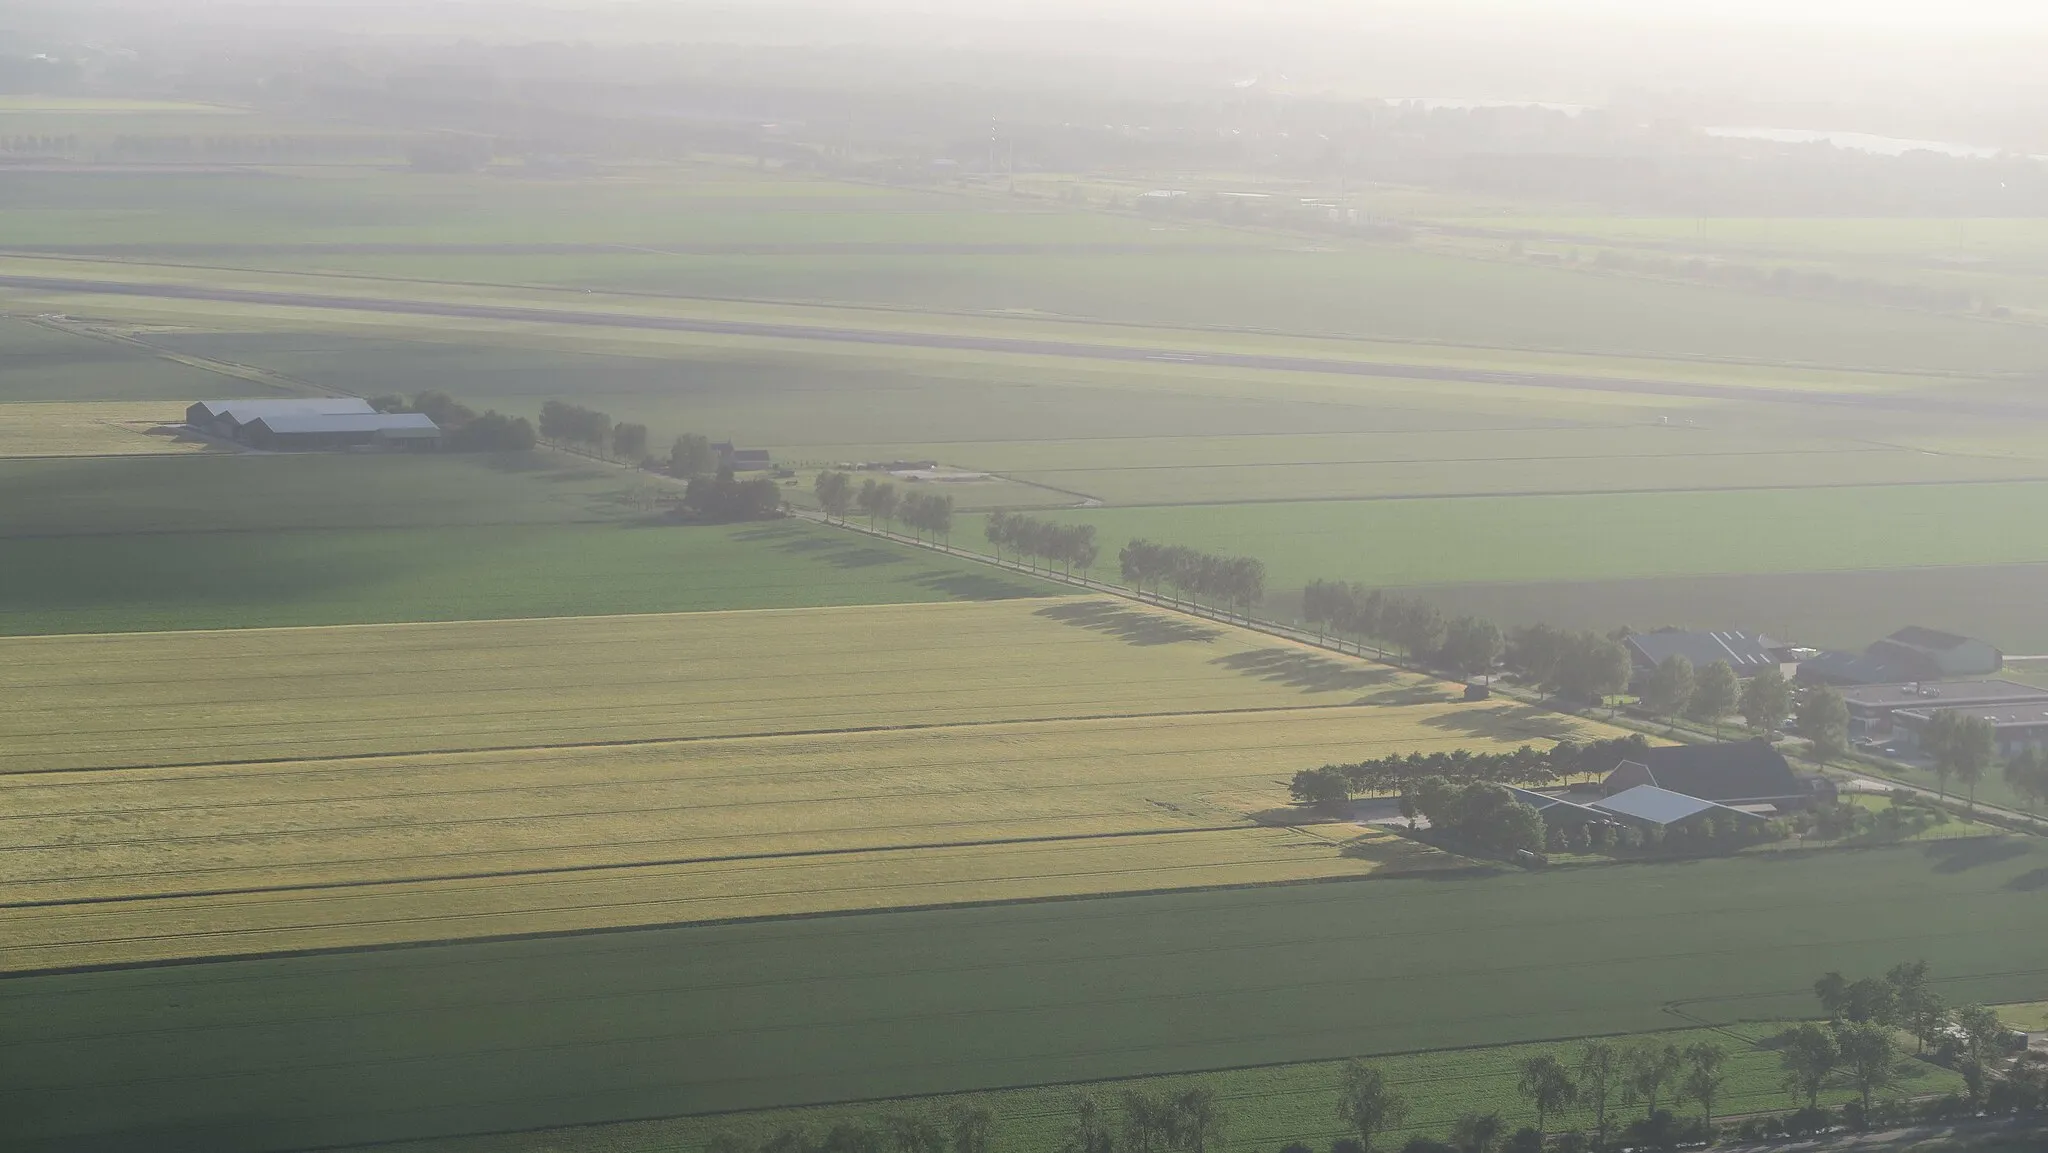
[410, 431]
[1747, 653]
[1557, 810]
[1734, 773]
[227, 417]
[1647, 806]
[1930, 655]
[1873, 707]
[742, 459]
[2017, 727]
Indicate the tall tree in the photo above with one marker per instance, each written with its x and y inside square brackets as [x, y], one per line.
[1667, 690]
[1092, 1132]
[914, 1133]
[1824, 721]
[1650, 1070]
[1704, 1075]
[1599, 1069]
[1592, 667]
[1195, 1122]
[1472, 646]
[1549, 1088]
[1983, 1038]
[1869, 1058]
[2026, 774]
[691, 455]
[1766, 702]
[629, 441]
[1476, 1133]
[1714, 694]
[1918, 1008]
[973, 1130]
[1808, 1055]
[1963, 746]
[1534, 653]
[1366, 1103]
[835, 493]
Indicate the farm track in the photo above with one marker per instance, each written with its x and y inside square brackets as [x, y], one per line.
[1023, 346]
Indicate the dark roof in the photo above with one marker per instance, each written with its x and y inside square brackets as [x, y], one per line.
[1924, 638]
[1744, 652]
[1849, 669]
[1736, 771]
[257, 408]
[1942, 694]
[2013, 717]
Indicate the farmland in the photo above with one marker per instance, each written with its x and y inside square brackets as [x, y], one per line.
[1263, 1108]
[520, 1034]
[362, 786]
[90, 429]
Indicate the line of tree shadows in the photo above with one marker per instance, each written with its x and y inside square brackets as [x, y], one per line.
[1129, 625]
[1963, 854]
[1303, 670]
[1504, 722]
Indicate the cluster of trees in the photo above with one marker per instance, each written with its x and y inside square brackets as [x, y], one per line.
[1675, 689]
[1483, 816]
[1604, 1080]
[1962, 746]
[1071, 546]
[1583, 666]
[927, 512]
[463, 429]
[1858, 1045]
[1333, 785]
[924, 512]
[724, 498]
[1185, 1121]
[589, 429]
[692, 455]
[1236, 583]
[961, 1131]
[2026, 773]
[1906, 816]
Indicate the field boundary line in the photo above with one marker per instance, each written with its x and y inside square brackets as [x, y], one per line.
[617, 866]
[792, 609]
[641, 742]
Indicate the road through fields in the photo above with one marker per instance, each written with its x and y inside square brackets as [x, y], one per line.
[1024, 346]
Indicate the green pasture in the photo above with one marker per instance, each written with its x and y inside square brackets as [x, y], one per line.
[42, 364]
[203, 580]
[248, 492]
[1263, 1108]
[1603, 536]
[1844, 609]
[357, 1047]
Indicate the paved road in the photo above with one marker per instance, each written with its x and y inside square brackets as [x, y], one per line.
[1029, 346]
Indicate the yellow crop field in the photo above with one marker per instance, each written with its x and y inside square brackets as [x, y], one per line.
[90, 428]
[819, 760]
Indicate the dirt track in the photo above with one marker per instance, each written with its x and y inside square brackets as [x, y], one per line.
[1028, 346]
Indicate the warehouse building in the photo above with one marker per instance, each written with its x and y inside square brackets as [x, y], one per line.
[1873, 708]
[226, 418]
[1746, 773]
[1747, 653]
[402, 431]
[2018, 727]
[1647, 806]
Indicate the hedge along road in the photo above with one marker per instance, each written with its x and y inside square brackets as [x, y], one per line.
[360, 1046]
[1946, 405]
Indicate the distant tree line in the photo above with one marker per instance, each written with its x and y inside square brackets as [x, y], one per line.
[1814, 282]
[593, 431]
[924, 513]
[1070, 546]
[1235, 583]
[967, 1130]
[462, 428]
[724, 498]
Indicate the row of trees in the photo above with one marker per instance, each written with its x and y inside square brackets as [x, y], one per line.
[1528, 767]
[464, 429]
[927, 513]
[1858, 1045]
[1585, 666]
[923, 512]
[1235, 583]
[587, 428]
[1468, 645]
[1071, 546]
[725, 498]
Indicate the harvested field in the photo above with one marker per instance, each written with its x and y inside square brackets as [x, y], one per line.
[91, 428]
[324, 787]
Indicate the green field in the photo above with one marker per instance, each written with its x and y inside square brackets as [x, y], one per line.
[1263, 1108]
[523, 1034]
[353, 576]
[42, 364]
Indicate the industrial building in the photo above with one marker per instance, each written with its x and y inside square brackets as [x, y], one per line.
[312, 424]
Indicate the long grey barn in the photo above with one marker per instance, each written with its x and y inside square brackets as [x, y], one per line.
[313, 423]
[226, 417]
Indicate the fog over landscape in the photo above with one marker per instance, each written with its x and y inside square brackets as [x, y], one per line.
[1084, 576]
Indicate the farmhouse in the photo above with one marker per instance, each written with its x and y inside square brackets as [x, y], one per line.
[226, 417]
[1872, 708]
[742, 459]
[1735, 773]
[1647, 806]
[2017, 727]
[1747, 653]
[392, 430]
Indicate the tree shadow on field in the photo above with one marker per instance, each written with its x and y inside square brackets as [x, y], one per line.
[770, 533]
[1509, 722]
[839, 553]
[1960, 856]
[2032, 882]
[967, 586]
[1301, 670]
[1128, 625]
